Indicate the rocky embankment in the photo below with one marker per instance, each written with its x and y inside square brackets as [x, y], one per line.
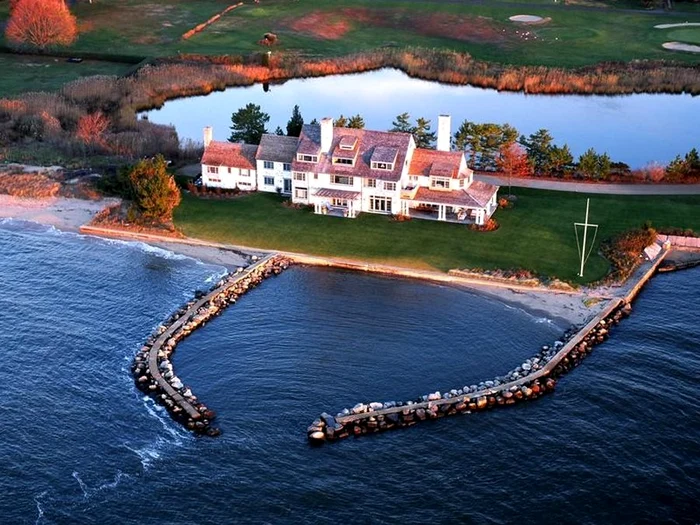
[532, 379]
[152, 367]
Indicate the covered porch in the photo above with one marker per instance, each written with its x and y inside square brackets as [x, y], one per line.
[337, 203]
[458, 206]
[441, 212]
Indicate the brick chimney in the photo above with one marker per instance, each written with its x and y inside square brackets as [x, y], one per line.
[208, 135]
[444, 133]
[326, 134]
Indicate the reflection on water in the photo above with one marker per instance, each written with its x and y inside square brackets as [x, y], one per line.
[635, 129]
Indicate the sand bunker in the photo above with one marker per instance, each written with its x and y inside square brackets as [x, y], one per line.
[529, 19]
[680, 46]
[684, 24]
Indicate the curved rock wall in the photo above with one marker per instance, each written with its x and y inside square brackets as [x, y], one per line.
[532, 379]
[152, 368]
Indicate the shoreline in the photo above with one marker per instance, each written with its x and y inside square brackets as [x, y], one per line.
[562, 307]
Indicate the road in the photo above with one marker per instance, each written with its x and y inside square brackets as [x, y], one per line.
[587, 187]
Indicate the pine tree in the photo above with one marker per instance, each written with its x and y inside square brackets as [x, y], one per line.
[356, 122]
[296, 122]
[248, 124]
[422, 135]
[402, 124]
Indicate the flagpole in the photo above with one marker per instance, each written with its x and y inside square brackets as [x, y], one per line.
[585, 231]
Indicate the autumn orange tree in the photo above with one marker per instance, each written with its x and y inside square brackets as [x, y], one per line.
[91, 128]
[41, 24]
[513, 162]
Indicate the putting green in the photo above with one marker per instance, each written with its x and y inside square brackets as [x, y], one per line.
[689, 35]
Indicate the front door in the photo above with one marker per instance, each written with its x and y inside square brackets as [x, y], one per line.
[287, 186]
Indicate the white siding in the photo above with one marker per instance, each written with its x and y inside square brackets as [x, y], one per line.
[277, 173]
[228, 178]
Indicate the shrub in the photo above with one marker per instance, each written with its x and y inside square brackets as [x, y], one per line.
[624, 251]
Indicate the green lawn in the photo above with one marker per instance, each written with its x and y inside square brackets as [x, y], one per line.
[537, 234]
[576, 35]
[22, 73]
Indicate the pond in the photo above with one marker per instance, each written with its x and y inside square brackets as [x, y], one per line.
[635, 129]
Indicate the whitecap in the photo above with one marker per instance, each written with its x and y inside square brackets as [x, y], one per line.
[39, 508]
[82, 484]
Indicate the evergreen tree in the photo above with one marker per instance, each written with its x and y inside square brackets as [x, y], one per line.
[595, 166]
[154, 192]
[279, 131]
[560, 160]
[341, 122]
[402, 124]
[356, 122]
[295, 123]
[538, 146]
[248, 124]
[483, 142]
[422, 135]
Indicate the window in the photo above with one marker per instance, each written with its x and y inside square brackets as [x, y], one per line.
[229, 170]
[244, 173]
[301, 193]
[299, 176]
[380, 204]
[341, 203]
[307, 158]
[214, 180]
[286, 166]
[212, 169]
[461, 183]
[269, 165]
[390, 186]
[371, 183]
[315, 176]
[269, 181]
[413, 179]
[348, 162]
[382, 166]
[340, 179]
[439, 182]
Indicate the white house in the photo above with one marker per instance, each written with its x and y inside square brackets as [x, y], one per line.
[343, 171]
[227, 165]
[274, 163]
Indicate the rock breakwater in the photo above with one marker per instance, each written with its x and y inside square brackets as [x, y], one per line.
[532, 379]
[152, 367]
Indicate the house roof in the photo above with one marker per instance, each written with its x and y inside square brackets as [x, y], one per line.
[229, 154]
[368, 142]
[427, 162]
[277, 148]
[477, 195]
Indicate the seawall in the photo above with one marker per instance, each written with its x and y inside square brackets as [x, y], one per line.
[532, 379]
[152, 369]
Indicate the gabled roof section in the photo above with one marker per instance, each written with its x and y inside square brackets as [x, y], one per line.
[477, 195]
[347, 142]
[310, 140]
[367, 142]
[384, 154]
[277, 148]
[429, 162]
[231, 155]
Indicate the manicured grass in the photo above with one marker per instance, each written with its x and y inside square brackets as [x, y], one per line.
[689, 35]
[21, 73]
[537, 234]
[577, 35]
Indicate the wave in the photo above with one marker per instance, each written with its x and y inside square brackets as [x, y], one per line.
[39, 508]
[153, 451]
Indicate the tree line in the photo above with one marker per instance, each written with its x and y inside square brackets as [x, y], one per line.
[487, 146]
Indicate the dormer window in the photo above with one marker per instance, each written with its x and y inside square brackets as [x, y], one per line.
[382, 166]
[383, 158]
[307, 158]
[343, 161]
[347, 143]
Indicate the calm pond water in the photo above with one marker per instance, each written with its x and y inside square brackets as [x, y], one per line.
[618, 442]
[635, 129]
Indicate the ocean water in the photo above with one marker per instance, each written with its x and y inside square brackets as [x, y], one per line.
[619, 441]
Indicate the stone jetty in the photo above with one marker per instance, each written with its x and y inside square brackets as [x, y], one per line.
[152, 367]
[535, 377]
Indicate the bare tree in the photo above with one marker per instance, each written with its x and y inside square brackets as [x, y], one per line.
[41, 24]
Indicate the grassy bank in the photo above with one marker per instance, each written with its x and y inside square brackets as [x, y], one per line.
[22, 73]
[536, 235]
